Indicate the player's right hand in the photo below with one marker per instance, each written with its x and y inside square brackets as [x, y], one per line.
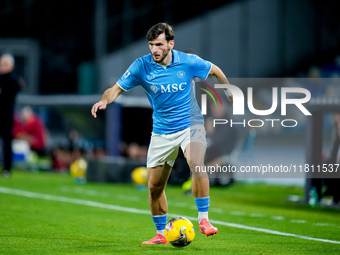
[231, 99]
[101, 105]
[229, 96]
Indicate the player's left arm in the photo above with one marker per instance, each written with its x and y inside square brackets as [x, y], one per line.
[220, 77]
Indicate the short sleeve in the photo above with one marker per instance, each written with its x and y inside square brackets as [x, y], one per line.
[201, 68]
[130, 78]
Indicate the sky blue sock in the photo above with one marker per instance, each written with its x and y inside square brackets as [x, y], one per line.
[160, 221]
[202, 203]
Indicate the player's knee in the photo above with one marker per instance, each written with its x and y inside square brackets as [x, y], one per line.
[195, 163]
[155, 190]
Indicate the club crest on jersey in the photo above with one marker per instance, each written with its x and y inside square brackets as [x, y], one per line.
[154, 88]
[181, 74]
[126, 74]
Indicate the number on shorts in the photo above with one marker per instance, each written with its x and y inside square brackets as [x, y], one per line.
[193, 132]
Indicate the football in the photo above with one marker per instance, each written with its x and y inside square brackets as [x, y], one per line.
[179, 232]
[139, 176]
[78, 170]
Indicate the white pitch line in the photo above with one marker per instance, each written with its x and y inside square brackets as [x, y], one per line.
[277, 218]
[298, 221]
[139, 211]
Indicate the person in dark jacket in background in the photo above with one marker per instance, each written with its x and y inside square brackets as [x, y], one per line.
[10, 85]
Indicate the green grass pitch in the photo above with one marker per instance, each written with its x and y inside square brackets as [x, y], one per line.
[31, 225]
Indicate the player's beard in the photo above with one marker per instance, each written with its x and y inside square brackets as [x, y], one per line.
[165, 54]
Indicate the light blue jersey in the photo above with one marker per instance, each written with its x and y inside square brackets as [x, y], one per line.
[171, 89]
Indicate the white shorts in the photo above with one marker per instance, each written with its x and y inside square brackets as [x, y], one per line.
[164, 148]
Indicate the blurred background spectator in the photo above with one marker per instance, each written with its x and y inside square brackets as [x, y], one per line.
[30, 128]
[10, 84]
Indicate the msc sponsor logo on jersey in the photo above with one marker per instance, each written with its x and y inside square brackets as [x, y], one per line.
[173, 87]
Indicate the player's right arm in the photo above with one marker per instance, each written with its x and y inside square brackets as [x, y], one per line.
[129, 80]
[108, 97]
[220, 77]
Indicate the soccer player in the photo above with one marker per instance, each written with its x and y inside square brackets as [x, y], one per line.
[166, 76]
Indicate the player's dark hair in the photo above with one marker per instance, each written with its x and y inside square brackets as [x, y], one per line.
[159, 29]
